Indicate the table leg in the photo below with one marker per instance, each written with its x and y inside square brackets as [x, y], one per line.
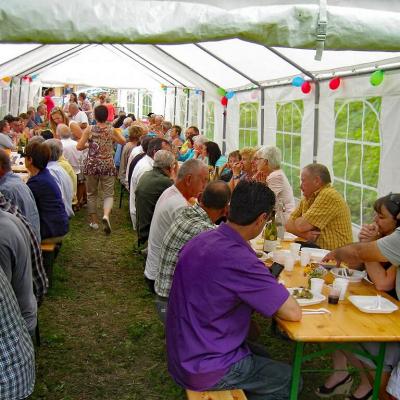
[298, 358]
[378, 371]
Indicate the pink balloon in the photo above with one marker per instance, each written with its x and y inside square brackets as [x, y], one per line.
[254, 94]
[306, 87]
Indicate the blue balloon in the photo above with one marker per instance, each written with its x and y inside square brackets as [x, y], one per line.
[297, 81]
[229, 95]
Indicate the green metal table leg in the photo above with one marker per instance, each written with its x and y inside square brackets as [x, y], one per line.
[378, 371]
[298, 358]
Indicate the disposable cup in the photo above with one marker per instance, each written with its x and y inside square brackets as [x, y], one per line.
[341, 284]
[294, 249]
[289, 263]
[317, 285]
[305, 257]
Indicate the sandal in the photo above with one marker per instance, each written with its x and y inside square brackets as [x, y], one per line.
[367, 396]
[342, 387]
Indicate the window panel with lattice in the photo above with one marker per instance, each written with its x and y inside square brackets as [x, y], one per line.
[356, 154]
[248, 124]
[210, 122]
[289, 118]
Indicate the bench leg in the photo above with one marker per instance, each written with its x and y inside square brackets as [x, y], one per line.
[48, 261]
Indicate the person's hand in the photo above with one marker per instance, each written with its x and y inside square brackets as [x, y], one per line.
[369, 233]
[237, 168]
[311, 236]
[260, 177]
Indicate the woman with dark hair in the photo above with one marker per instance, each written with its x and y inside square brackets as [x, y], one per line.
[47, 194]
[48, 101]
[99, 166]
[213, 156]
[73, 98]
[85, 105]
[383, 275]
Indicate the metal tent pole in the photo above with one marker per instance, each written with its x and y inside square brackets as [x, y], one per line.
[22, 55]
[262, 115]
[175, 94]
[153, 65]
[165, 101]
[19, 95]
[202, 110]
[187, 107]
[224, 130]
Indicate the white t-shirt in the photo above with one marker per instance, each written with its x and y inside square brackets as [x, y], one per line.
[135, 152]
[71, 153]
[167, 208]
[144, 165]
[80, 117]
[280, 185]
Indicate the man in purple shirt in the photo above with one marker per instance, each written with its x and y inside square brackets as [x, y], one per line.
[218, 282]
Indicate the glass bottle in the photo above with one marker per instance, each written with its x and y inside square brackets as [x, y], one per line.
[270, 236]
[280, 219]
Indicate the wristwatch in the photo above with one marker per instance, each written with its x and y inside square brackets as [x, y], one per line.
[236, 176]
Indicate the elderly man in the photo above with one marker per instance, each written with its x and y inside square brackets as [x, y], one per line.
[190, 182]
[149, 189]
[218, 282]
[63, 180]
[17, 353]
[322, 216]
[15, 259]
[15, 190]
[6, 142]
[41, 115]
[144, 165]
[190, 222]
[77, 115]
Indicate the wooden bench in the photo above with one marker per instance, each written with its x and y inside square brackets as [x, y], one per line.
[236, 394]
[48, 252]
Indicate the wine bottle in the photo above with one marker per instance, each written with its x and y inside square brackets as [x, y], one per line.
[270, 236]
[280, 219]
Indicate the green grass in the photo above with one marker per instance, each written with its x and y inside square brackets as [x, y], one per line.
[101, 338]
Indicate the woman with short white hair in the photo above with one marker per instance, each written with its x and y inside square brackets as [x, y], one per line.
[268, 163]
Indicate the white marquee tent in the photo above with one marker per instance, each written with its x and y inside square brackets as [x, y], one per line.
[254, 48]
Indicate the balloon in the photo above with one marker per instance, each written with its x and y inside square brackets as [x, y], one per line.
[224, 101]
[334, 83]
[221, 91]
[229, 95]
[197, 91]
[306, 87]
[34, 76]
[165, 88]
[297, 81]
[376, 78]
[6, 79]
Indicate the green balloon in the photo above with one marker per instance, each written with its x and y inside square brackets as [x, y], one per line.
[221, 91]
[376, 78]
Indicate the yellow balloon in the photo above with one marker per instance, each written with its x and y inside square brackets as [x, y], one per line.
[7, 79]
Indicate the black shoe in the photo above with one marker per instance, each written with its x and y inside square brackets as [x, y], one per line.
[342, 387]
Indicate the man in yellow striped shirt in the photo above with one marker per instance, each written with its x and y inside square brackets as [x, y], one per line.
[322, 216]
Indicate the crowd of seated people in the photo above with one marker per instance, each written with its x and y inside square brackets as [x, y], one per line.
[181, 187]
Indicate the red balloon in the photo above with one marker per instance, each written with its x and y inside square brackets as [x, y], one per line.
[224, 101]
[306, 87]
[334, 83]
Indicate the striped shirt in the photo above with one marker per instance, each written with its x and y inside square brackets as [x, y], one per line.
[189, 223]
[17, 356]
[327, 211]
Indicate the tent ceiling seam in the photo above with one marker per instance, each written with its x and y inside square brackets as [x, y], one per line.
[22, 55]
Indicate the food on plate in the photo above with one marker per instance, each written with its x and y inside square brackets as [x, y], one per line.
[314, 270]
[259, 254]
[302, 293]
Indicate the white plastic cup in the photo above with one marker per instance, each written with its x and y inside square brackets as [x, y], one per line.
[294, 249]
[305, 258]
[341, 284]
[289, 263]
[316, 285]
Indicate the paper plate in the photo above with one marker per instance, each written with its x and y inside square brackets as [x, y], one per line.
[357, 276]
[317, 298]
[368, 304]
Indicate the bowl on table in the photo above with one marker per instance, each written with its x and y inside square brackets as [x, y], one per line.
[316, 255]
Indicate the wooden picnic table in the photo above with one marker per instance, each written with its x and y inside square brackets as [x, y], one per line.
[345, 325]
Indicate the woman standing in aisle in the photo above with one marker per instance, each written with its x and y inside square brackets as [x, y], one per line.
[99, 166]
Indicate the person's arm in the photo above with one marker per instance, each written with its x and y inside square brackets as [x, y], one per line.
[81, 145]
[117, 137]
[300, 227]
[356, 253]
[384, 279]
[76, 130]
[290, 310]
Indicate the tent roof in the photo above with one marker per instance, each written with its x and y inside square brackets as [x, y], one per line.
[206, 62]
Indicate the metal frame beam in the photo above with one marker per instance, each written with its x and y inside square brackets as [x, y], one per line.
[242, 74]
[185, 65]
[141, 64]
[53, 59]
[153, 65]
[22, 55]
